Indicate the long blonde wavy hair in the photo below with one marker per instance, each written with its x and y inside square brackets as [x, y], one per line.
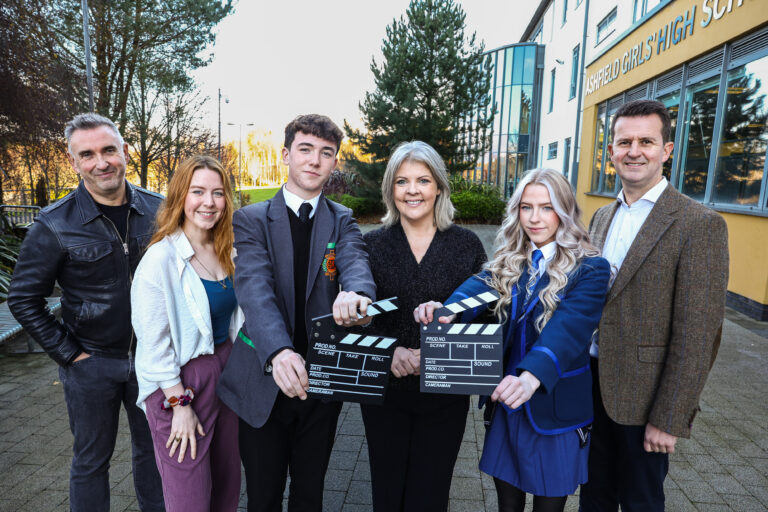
[514, 249]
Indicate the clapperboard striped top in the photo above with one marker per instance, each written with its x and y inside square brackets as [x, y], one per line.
[364, 340]
[480, 329]
[463, 305]
[473, 302]
[382, 306]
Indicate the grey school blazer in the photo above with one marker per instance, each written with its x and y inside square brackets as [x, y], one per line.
[265, 292]
[663, 316]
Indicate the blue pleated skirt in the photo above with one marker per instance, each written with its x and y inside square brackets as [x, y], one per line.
[542, 465]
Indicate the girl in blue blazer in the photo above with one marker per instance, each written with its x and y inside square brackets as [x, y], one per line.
[552, 285]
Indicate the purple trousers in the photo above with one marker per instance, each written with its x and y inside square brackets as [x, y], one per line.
[211, 482]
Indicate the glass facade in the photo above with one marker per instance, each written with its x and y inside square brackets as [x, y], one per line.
[740, 167]
[516, 101]
[719, 119]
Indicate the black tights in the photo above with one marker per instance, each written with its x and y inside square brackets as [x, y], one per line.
[512, 499]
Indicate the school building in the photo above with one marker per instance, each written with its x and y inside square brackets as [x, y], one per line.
[707, 61]
[578, 61]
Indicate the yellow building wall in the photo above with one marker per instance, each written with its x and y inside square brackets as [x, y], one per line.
[747, 234]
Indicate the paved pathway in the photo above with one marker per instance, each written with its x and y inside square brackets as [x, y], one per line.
[723, 467]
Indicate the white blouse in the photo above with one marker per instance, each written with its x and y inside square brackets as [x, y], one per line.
[170, 314]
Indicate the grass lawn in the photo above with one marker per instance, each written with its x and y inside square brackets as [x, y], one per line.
[257, 195]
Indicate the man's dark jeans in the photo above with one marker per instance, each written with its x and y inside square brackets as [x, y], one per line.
[94, 388]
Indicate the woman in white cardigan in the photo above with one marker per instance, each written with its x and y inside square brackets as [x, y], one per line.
[185, 316]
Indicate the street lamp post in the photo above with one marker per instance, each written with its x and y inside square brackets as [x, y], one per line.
[226, 100]
[240, 158]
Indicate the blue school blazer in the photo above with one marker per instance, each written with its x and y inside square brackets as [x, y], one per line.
[559, 355]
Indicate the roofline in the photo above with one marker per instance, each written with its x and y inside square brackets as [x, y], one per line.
[511, 45]
[540, 10]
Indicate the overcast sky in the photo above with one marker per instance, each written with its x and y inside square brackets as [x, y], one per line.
[277, 59]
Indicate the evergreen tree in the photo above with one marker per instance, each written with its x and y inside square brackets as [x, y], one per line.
[431, 79]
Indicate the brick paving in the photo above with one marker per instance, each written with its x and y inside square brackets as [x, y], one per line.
[723, 467]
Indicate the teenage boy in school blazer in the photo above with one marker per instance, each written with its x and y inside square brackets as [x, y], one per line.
[293, 253]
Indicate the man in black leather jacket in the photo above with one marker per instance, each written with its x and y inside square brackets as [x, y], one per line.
[90, 242]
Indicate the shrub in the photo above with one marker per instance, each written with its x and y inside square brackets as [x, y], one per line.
[478, 207]
[360, 206]
[459, 184]
[339, 183]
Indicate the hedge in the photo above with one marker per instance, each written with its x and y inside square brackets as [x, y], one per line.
[478, 207]
[360, 206]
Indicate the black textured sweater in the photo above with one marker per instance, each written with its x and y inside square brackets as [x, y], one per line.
[453, 256]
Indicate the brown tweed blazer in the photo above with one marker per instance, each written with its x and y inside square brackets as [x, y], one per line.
[663, 316]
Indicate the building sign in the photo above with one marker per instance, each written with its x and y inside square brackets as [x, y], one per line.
[670, 34]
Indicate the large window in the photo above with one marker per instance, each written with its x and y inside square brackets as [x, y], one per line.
[609, 180]
[719, 125]
[696, 140]
[741, 156]
[574, 72]
[605, 27]
[672, 102]
[599, 153]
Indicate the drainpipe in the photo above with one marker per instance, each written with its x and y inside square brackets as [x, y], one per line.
[576, 148]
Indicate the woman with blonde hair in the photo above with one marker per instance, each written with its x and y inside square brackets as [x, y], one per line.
[552, 285]
[185, 316]
[414, 438]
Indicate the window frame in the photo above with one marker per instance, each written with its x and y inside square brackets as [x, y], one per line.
[643, 10]
[605, 24]
[552, 150]
[552, 91]
[565, 13]
[575, 58]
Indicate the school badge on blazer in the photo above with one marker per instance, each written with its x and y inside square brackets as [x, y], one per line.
[329, 262]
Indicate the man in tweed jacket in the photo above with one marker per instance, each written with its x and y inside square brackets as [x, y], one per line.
[662, 320]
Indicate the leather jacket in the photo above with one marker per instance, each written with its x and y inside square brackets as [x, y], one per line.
[73, 243]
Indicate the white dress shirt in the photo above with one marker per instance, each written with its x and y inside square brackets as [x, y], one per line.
[170, 314]
[294, 202]
[625, 226]
[547, 253]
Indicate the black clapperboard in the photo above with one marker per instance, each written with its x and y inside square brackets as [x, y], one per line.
[462, 359]
[349, 367]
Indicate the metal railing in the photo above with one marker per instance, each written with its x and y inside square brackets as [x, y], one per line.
[19, 215]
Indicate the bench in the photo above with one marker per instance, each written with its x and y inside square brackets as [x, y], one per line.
[11, 329]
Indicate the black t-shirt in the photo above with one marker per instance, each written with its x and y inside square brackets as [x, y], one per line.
[118, 215]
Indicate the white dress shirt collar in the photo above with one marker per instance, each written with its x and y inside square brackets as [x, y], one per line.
[294, 202]
[651, 196]
[548, 252]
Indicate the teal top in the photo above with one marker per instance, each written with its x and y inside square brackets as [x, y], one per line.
[222, 302]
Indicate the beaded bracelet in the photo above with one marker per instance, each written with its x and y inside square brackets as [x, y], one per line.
[182, 400]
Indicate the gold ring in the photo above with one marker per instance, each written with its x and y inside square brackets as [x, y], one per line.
[178, 439]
